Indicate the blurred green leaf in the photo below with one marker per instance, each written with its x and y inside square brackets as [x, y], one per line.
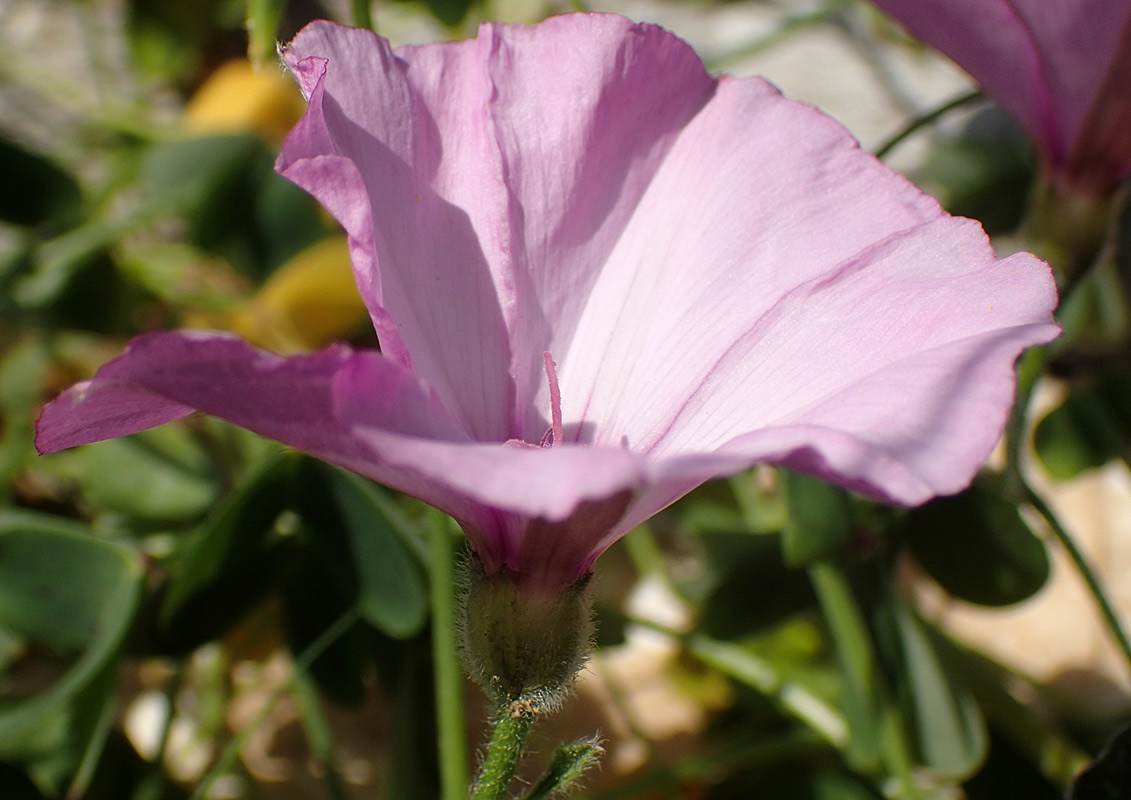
[161, 475]
[1090, 428]
[949, 727]
[781, 667]
[21, 377]
[862, 696]
[984, 172]
[231, 561]
[236, 205]
[36, 191]
[60, 262]
[170, 40]
[449, 12]
[181, 275]
[74, 595]
[712, 507]
[820, 519]
[16, 785]
[320, 588]
[1109, 776]
[193, 174]
[752, 588]
[977, 547]
[286, 219]
[391, 591]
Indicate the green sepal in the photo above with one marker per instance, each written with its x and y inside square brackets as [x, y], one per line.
[524, 643]
[568, 766]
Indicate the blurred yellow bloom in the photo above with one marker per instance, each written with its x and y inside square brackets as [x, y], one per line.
[238, 98]
[309, 302]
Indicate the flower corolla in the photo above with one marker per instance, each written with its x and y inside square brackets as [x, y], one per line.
[600, 277]
[1062, 69]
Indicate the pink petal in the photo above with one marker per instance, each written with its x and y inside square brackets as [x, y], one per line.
[1048, 63]
[362, 412]
[163, 376]
[721, 275]
[498, 174]
[816, 311]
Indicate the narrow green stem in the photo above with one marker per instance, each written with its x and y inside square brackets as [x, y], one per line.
[924, 120]
[301, 665]
[319, 736]
[361, 15]
[452, 736]
[262, 24]
[509, 729]
[1029, 371]
[1084, 568]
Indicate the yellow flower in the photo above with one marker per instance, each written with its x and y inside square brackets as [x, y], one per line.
[238, 98]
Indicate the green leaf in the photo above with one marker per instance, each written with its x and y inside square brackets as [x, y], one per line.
[820, 519]
[949, 727]
[160, 475]
[1090, 428]
[984, 172]
[977, 547]
[193, 174]
[567, 767]
[780, 668]
[75, 595]
[863, 693]
[231, 561]
[169, 40]
[21, 377]
[1109, 775]
[36, 191]
[391, 592]
[16, 785]
[752, 588]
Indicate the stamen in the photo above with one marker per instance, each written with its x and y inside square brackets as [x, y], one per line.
[555, 433]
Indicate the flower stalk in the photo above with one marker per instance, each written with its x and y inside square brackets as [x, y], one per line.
[509, 729]
[452, 738]
[524, 644]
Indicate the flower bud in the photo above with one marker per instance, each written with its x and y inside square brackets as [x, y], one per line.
[524, 643]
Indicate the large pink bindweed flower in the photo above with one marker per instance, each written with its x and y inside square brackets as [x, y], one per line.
[720, 275]
[1062, 68]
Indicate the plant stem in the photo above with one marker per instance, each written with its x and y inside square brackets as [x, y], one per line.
[361, 15]
[1084, 568]
[509, 729]
[452, 736]
[1030, 368]
[319, 735]
[924, 120]
[301, 665]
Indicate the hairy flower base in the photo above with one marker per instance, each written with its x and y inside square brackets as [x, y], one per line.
[524, 644]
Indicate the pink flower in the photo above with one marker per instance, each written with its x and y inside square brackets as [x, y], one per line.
[1062, 68]
[720, 274]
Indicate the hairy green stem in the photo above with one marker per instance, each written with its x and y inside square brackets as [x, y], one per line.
[452, 735]
[262, 25]
[509, 730]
